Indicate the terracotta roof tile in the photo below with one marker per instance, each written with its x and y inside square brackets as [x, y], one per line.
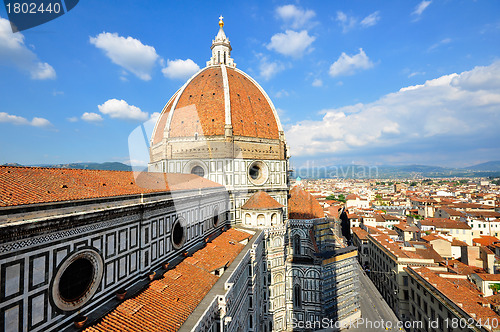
[251, 114]
[445, 223]
[489, 276]
[261, 201]
[167, 303]
[360, 233]
[454, 289]
[201, 108]
[302, 205]
[486, 240]
[32, 185]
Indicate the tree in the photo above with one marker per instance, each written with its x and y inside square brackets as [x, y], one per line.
[330, 197]
[495, 287]
[341, 198]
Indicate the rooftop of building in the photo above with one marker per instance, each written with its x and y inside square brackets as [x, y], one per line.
[360, 233]
[460, 268]
[167, 302]
[35, 185]
[444, 223]
[261, 201]
[488, 276]
[302, 205]
[468, 300]
[485, 240]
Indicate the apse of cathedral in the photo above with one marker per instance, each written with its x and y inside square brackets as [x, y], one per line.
[211, 238]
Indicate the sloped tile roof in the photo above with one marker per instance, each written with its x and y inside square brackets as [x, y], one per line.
[302, 205]
[470, 301]
[32, 185]
[485, 240]
[445, 223]
[167, 303]
[261, 201]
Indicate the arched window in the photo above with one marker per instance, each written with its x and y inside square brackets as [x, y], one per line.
[218, 57]
[274, 219]
[248, 219]
[296, 244]
[297, 296]
[198, 170]
[224, 57]
[261, 220]
[250, 322]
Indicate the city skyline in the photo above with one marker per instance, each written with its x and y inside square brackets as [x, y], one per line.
[369, 83]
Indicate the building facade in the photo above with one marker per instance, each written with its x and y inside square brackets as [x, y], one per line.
[218, 159]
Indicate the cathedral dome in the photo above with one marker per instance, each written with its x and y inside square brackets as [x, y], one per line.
[218, 99]
[220, 103]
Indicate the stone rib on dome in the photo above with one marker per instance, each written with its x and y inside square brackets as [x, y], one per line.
[302, 205]
[199, 107]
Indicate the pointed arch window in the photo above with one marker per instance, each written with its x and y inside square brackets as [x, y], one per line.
[297, 296]
[296, 244]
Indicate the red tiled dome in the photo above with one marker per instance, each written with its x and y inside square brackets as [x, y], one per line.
[302, 205]
[261, 201]
[203, 107]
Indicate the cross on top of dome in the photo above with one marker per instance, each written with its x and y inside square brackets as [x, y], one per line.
[221, 48]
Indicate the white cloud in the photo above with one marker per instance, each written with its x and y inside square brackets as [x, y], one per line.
[346, 22]
[282, 93]
[415, 73]
[454, 110]
[371, 19]
[294, 16]
[72, 119]
[419, 9]
[267, 68]
[348, 65]
[440, 43]
[19, 120]
[180, 69]
[13, 51]
[350, 22]
[91, 117]
[291, 43]
[129, 53]
[120, 109]
[317, 82]
[155, 115]
[40, 122]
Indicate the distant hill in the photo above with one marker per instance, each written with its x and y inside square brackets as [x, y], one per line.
[488, 169]
[106, 166]
[492, 166]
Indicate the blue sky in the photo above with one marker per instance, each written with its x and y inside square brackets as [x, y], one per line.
[370, 82]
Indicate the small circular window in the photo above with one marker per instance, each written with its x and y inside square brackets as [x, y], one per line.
[178, 234]
[198, 170]
[254, 171]
[258, 172]
[77, 279]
